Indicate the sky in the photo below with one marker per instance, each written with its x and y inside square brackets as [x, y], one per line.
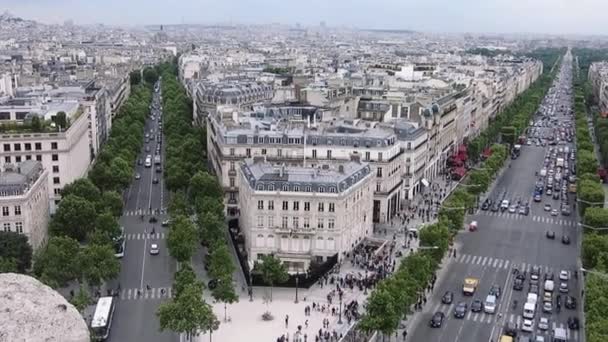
[458, 16]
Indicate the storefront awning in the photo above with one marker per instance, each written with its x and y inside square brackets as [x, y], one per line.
[425, 182]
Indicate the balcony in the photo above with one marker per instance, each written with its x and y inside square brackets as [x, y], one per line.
[232, 172]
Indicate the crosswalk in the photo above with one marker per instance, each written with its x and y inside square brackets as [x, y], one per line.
[138, 212]
[142, 294]
[143, 236]
[503, 263]
[490, 319]
[535, 218]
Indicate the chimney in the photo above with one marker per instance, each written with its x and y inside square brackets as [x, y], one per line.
[341, 168]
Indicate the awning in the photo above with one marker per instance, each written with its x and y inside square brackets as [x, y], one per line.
[487, 152]
[425, 182]
[462, 149]
[460, 171]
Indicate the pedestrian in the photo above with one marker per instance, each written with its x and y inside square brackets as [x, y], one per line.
[286, 321]
[306, 324]
[404, 334]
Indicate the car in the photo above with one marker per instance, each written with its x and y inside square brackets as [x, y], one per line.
[437, 319]
[547, 307]
[563, 287]
[556, 195]
[533, 288]
[573, 323]
[522, 210]
[564, 275]
[528, 325]
[137, 176]
[570, 303]
[518, 284]
[460, 310]
[486, 205]
[154, 249]
[212, 284]
[537, 198]
[495, 207]
[477, 305]
[543, 323]
[140, 162]
[554, 212]
[510, 329]
[147, 148]
[547, 207]
[549, 276]
[153, 219]
[159, 169]
[155, 181]
[565, 239]
[539, 338]
[447, 298]
[535, 273]
[565, 210]
[495, 290]
[513, 208]
[165, 223]
[549, 191]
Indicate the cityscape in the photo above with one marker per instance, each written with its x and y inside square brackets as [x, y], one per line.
[223, 176]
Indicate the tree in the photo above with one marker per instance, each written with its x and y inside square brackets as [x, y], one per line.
[150, 75]
[220, 262]
[479, 181]
[135, 77]
[74, 218]
[61, 120]
[56, 264]
[8, 265]
[97, 263]
[207, 204]
[111, 201]
[36, 124]
[381, 315]
[187, 313]
[204, 184]
[183, 277]
[82, 299]
[586, 162]
[14, 247]
[101, 175]
[84, 188]
[178, 204]
[272, 271]
[182, 239]
[121, 172]
[224, 292]
[596, 217]
[210, 228]
[595, 246]
[436, 235]
[108, 225]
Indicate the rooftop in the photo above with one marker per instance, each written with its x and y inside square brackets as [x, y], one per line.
[16, 181]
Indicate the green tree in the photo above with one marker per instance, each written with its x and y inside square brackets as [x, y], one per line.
[150, 75]
[135, 77]
[183, 277]
[220, 262]
[15, 247]
[187, 313]
[224, 292]
[36, 124]
[204, 184]
[82, 299]
[8, 265]
[436, 235]
[112, 202]
[74, 218]
[182, 239]
[178, 204]
[101, 175]
[108, 224]
[210, 229]
[586, 162]
[121, 172]
[84, 188]
[479, 181]
[61, 120]
[596, 217]
[207, 204]
[272, 271]
[176, 177]
[381, 315]
[56, 264]
[98, 263]
[595, 247]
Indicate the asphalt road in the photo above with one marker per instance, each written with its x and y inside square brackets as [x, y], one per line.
[135, 315]
[502, 242]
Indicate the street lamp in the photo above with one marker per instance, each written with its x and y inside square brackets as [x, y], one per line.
[592, 227]
[297, 280]
[340, 314]
[427, 247]
[365, 284]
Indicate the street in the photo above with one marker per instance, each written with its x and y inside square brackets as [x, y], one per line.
[145, 279]
[507, 242]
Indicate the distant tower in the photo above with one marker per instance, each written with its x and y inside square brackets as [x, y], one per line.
[161, 27]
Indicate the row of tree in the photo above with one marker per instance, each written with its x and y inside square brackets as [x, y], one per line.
[590, 191]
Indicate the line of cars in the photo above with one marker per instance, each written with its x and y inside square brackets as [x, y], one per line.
[502, 203]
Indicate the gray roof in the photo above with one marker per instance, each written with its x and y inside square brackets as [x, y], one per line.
[264, 176]
[17, 180]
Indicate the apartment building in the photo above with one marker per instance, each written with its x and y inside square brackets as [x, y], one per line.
[238, 94]
[598, 77]
[302, 214]
[24, 200]
[66, 155]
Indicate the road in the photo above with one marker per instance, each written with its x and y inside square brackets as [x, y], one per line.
[505, 241]
[135, 315]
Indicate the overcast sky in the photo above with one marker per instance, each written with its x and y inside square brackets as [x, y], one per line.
[492, 16]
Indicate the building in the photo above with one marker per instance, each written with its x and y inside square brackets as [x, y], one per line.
[239, 94]
[304, 215]
[24, 201]
[598, 77]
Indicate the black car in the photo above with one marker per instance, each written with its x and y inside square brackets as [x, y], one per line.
[573, 323]
[511, 329]
[140, 162]
[495, 290]
[565, 239]
[437, 319]
[477, 305]
[495, 207]
[518, 284]
[550, 234]
[447, 298]
[549, 276]
[485, 205]
[460, 310]
[159, 169]
[153, 219]
[570, 303]
[155, 181]
[212, 284]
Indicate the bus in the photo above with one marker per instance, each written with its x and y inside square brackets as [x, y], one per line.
[102, 318]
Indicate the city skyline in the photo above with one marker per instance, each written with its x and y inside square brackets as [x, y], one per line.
[468, 16]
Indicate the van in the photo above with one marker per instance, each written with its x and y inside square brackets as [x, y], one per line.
[559, 335]
[549, 285]
[490, 305]
[529, 310]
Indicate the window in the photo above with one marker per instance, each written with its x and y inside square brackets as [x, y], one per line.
[38, 146]
[332, 208]
[306, 206]
[5, 211]
[7, 227]
[321, 189]
[7, 159]
[232, 151]
[19, 227]
[17, 147]
[260, 204]
[270, 221]
[284, 221]
[248, 152]
[328, 154]
[28, 157]
[320, 223]
[321, 207]
[57, 191]
[232, 182]
[271, 205]
[53, 146]
[367, 156]
[39, 157]
[331, 223]
[296, 222]
[306, 222]
[379, 156]
[314, 154]
[28, 146]
[378, 187]
[285, 205]
[56, 180]
[296, 205]
[263, 151]
[55, 168]
[18, 159]
[232, 168]
[379, 172]
[285, 187]
[7, 147]
[260, 221]
[17, 210]
[279, 152]
[55, 157]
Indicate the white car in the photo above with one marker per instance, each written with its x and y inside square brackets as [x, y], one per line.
[539, 338]
[543, 323]
[563, 287]
[547, 307]
[528, 325]
[564, 275]
[154, 249]
[137, 176]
